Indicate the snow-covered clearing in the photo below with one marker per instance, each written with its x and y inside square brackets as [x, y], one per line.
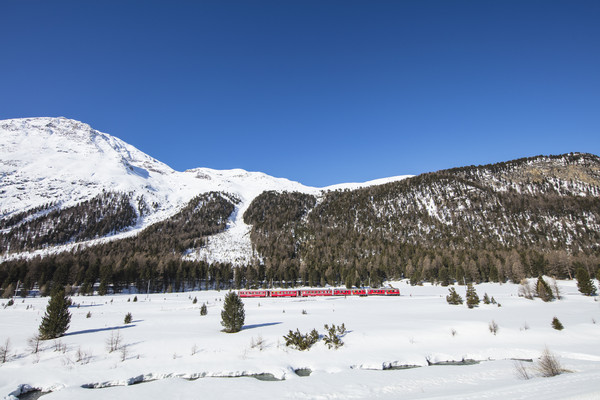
[173, 352]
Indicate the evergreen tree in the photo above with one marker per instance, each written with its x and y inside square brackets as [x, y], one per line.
[472, 297]
[56, 321]
[232, 316]
[543, 289]
[584, 283]
[203, 310]
[454, 298]
[556, 324]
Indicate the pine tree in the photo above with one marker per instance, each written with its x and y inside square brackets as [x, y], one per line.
[556, 324]
[543, 289]
[56, 321]
[472, 297]
[454, 298]
[584, 283]
[203, 310]
[232, 316]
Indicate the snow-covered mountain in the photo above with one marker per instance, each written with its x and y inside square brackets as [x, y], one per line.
[49, 164]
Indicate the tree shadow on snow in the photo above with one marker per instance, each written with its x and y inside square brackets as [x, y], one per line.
[110, 328]
[246, 327]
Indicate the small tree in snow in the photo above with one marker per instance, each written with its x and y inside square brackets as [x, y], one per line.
[56, 321]
[584, 282]
[556, 324]
[454, 298]
[472, 297]
[233, 315]
[543, 290]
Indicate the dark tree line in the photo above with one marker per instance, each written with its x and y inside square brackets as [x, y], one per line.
[100, 216]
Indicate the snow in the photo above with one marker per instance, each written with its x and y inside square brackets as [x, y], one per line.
[59, 160]
[173, 352]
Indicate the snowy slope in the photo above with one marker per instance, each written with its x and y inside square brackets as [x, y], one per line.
[62, 161]
[173, 352]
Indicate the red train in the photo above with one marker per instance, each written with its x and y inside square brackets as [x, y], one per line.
[319, 292]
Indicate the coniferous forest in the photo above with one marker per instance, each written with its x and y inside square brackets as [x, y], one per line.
[499, 222]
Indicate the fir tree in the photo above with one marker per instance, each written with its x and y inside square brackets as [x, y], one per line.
[584, 283]
[543, 290]
[232, 316]
[472, 297]
[127, 319]
[556, 324]
[203, 310]
[56, 321]
[454, 298]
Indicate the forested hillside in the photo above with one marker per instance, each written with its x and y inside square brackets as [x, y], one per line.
[494, 222]
[497, 222]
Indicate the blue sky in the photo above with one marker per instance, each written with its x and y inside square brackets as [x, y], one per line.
[321, 92]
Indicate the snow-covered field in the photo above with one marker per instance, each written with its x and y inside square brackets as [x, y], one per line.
[174, 352]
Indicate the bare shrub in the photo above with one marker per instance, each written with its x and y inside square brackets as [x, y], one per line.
[258, 343]
[33, 343]
[124, 352]
[194, 349]
[548, 365]
[525, 289]
[113, 343]
[453, 332]
[59, 346]
[521, 370]
[5, 351]
[82, 356]
[493, 327]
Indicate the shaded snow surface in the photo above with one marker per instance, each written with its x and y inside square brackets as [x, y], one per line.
[176, 353]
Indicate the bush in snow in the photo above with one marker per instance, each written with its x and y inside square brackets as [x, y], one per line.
[486, 299]
[454, 298]
[493, 326]
[525, 290]
[203, 310]
[333, 339]
[5, 351]
[195, 300]
[135, 299]
[584, 282]
[33, 343]
[556, 324]
[549, 365]
[128, 318]
[300, 341]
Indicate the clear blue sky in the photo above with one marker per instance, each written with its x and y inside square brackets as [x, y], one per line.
[321, 92]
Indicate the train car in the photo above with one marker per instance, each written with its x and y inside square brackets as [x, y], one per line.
[253, 293]
[384, 292]
[342, 292]
[316, 292]
[359, 292]
[284, 293]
